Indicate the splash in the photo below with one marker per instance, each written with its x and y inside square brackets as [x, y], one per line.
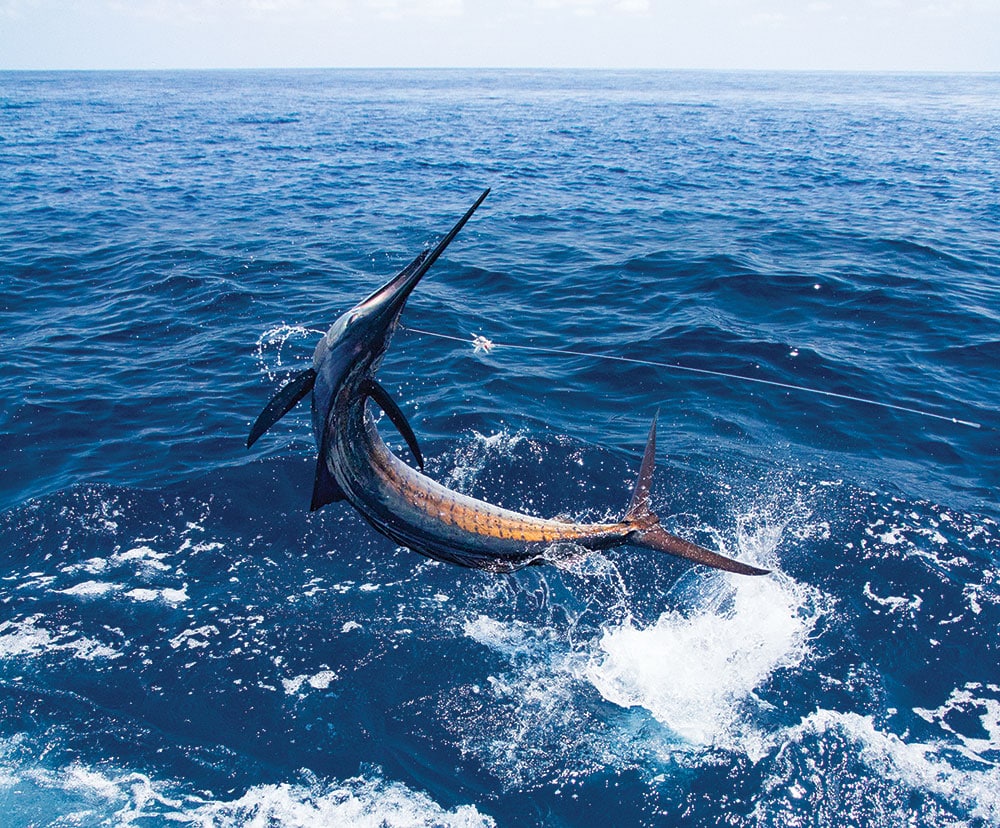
[270, 350]
[696, 671]
[482, 452]
[591, 688]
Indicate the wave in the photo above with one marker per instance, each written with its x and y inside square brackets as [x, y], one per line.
[618, 666]
[179, 635]
[82, 794]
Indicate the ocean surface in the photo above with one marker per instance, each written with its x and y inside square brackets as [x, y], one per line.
[183, 643]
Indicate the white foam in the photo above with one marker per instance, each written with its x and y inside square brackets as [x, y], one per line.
[145, 556]
[137, 793]
[894, 603]
[143, 595]
[90, 589]
[922, 542]
[536, 727]
[695, 671]
[195, 638]
[88, 795]
[318, 681]
[972, 698]
[140, 559]
[916, 765]
[978, 594]
[23, 637]
[27, 637]
[509, 638]
[358, 802]
[167, 595]
[92, 566]
[174, 596]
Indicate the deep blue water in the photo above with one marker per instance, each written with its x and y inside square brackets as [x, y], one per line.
[182, 642]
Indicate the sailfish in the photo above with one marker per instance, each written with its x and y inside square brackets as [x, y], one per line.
[403, 503]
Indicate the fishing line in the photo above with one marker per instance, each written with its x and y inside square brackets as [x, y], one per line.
[483, 345]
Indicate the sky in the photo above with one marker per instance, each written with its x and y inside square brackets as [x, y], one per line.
[851, 35]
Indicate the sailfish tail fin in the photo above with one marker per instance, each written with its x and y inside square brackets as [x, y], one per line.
[648, 533]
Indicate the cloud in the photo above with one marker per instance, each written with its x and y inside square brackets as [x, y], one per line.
[17, 9]
[396, 9]
[592, 7]
[631, 6]
[768, 18]
[201, 11]
[956, 35]
[941, 10]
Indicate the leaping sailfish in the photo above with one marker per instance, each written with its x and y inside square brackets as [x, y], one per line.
[354, 464]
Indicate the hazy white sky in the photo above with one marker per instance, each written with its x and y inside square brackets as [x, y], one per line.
[950, 35]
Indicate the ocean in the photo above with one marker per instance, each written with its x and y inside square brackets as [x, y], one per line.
[183, 643]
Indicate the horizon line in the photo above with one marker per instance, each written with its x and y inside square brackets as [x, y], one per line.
[507, 68]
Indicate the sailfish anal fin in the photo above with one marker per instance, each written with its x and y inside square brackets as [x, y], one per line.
[388, 405]
[282, 402]
[325, 487]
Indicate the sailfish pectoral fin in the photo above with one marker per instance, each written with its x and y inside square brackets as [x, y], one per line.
[646, 529]
[388, 405]
[282, 402]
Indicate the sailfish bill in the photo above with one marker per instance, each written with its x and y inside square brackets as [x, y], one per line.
[415, 511]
